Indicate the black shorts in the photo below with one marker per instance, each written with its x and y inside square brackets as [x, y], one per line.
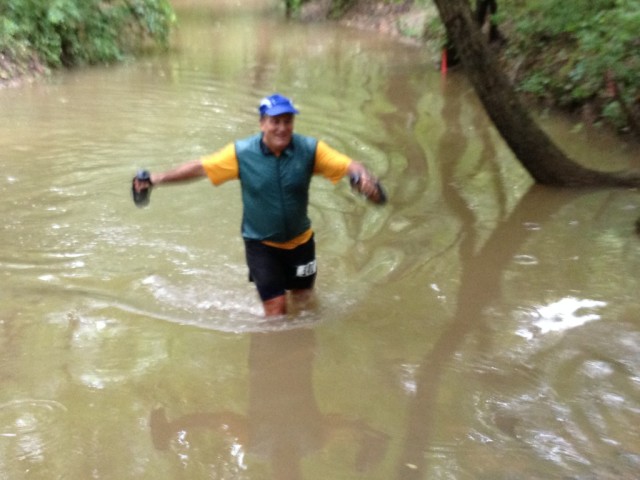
[276, 270]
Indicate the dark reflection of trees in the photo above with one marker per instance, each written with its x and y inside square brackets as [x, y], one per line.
[454, 143]
[479, 282]
[263, 56]
[283, 423]
[400, 123]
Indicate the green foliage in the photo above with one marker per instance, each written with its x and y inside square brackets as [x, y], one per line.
[339, 7]
[613, 113]
[73, 32]
[576, 54]
[336, 9]
[294, 6]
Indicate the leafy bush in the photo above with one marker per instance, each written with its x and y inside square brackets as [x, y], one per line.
[587, 52]
[339, 7]
[73, 32]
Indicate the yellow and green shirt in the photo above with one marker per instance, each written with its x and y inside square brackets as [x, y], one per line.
[275, 189]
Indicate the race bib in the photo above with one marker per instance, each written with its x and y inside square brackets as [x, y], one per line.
[306, 270]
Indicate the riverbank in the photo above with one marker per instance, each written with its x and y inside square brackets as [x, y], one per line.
[401, 20]
[38, 36]
[16, 69]
[549, 72]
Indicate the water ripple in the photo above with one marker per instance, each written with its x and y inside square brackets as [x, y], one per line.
[32, 429]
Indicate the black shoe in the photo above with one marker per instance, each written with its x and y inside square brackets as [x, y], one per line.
[141, 197]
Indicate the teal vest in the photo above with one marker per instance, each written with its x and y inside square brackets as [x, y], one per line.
[275, 190]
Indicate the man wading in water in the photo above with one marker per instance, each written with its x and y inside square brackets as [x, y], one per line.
[275, 169]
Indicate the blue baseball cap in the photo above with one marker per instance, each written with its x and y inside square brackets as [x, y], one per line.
[276, 104]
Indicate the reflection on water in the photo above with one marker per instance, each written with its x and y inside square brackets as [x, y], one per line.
[475, 327]
[283, 423]
[567, 313]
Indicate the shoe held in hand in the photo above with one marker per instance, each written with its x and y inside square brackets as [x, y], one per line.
[141, 188]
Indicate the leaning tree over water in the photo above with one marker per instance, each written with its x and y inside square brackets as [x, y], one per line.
[545, 161]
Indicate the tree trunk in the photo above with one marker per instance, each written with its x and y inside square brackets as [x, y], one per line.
[544, 161]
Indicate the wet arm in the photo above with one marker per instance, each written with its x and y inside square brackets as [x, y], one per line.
[335, 165]
[187, 171]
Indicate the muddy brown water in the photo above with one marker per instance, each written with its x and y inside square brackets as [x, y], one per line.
[476, 327]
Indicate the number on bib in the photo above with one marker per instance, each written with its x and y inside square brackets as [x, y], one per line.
[306, 270]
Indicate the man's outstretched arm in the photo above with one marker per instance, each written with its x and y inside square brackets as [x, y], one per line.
[187, 171]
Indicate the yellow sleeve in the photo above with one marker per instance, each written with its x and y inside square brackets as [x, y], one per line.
[330, 163]
[222, 165]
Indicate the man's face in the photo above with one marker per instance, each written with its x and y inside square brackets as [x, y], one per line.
[277, 131]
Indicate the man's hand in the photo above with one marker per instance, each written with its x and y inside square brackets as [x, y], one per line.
[365, 183]
[369, 186]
